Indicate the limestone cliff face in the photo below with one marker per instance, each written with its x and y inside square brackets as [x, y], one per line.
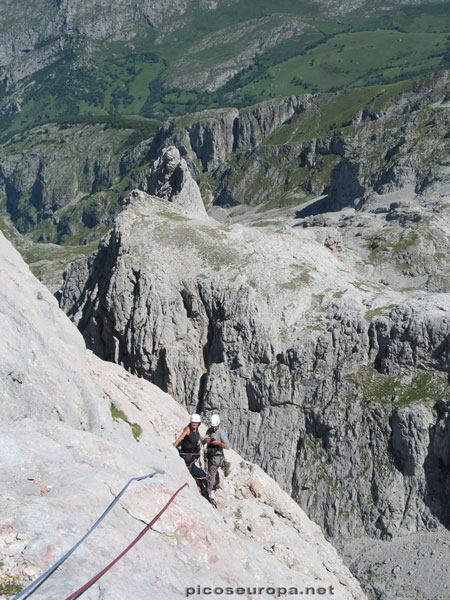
[66, 454]
[215, 135]
[269, 328]
[292, 150]
[47, 19]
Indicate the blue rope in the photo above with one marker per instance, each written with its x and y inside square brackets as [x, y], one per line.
[30, 589]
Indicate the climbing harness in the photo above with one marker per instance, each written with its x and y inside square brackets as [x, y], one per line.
[87, 585]
[199, 474]
[30, 589]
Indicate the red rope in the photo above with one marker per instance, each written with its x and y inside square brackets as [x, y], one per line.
[87, 585]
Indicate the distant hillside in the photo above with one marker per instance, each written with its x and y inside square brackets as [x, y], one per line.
[161, 59]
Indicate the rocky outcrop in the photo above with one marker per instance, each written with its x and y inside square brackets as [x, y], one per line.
[268, 328]
[171, 180]
[46, 20]
[75, 184]
[75, 429]
[414, 336]
[268, 156]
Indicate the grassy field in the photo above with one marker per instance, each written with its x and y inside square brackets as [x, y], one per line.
[352, 59]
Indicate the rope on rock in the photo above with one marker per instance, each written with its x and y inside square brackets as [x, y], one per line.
[33, 586]
[87, 585]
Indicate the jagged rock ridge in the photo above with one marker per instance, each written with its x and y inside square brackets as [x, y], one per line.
[292, 148]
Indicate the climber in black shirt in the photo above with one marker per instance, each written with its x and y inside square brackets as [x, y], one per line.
[188, 443]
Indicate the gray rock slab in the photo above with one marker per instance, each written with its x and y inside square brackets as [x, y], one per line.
[403, 569]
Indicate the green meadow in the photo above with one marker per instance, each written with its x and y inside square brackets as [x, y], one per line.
[353, 59]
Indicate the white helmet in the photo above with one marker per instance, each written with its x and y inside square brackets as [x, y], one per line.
[196, 418]
[215, 420]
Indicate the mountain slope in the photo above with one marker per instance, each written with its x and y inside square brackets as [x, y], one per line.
[75, 429]
[165, 58]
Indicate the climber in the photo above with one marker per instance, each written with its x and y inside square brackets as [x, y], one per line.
[188, 443]
[216, 440]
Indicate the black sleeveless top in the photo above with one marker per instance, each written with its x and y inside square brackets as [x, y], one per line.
[191, 443]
